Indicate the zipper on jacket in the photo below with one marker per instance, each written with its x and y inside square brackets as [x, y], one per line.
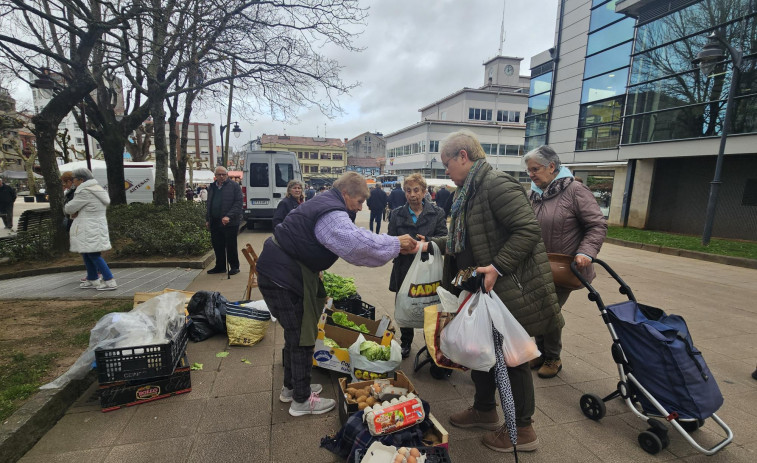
[517, 282]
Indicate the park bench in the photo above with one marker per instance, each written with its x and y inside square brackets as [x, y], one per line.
[32, 220]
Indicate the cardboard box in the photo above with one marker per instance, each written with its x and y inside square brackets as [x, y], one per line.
[375, 327]
[346, 409]
[437, 436]
[339, 359]
[127, 393]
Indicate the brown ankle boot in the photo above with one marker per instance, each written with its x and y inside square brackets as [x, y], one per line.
[499, 440]
[474, 418]
[536, 363]
[550, 369]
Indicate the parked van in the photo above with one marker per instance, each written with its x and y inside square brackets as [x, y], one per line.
[139, 178]
[264, 182]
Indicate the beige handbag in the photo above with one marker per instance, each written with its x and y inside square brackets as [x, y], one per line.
[561, 273]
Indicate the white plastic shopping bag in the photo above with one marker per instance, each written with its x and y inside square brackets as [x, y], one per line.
[364, 369]
[518, 347]
[418, 290]
[468, 339]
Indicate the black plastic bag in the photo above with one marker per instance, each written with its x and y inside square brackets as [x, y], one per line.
[207, 309]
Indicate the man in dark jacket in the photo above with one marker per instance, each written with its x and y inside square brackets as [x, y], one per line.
[376, 203]
[310, 193]
[222, 219]
[396, 197]
[442, 199]
[7, 198]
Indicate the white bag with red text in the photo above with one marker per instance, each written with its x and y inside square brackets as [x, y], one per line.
[418, 289]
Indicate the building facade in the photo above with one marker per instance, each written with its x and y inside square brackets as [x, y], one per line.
[368, 167]
[367, 145]
[620, 101]
[321, 159]
[494, 112]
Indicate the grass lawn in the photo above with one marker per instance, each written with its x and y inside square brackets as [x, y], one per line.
[40, 340]
[719, 246]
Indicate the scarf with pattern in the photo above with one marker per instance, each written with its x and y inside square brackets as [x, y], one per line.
[456, 235]
[553, 189]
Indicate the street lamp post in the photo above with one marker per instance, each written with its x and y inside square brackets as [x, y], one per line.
[236, 131]
[707, 59]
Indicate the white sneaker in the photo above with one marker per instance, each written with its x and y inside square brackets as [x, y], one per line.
[90, 284]
[109, 285]
[84, 278]
[287, 395]
[315, 405]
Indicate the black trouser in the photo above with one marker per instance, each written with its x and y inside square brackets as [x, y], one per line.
[522, 384]
[7, 214]
[550, 344]
[224, 240]
[298, 360]
[375, 217]
[407, 337]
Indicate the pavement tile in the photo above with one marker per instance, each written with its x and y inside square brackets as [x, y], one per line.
[595, 436]
[257, 355]
[202, 385]
[164, 451]
[79, 456]
[88, 402]
[79, 431]
[442, 411]
[235, 412]
[164, 419]
[242, 380]
[576, 370]
[730, 454]
[433, 390]
[241, 445]
[299, 441]
[736, 347]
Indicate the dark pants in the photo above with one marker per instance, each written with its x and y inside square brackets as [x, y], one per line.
[375, 217]
[224, 240]
[7, 212]
[298, 360]
[523, 392]
[550, 344]
[407, 337]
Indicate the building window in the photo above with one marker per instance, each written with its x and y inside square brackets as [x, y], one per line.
[79, 140]
[508, 116]
[537, 116]
[433, 146]
[325, 155]
[313, 155]
[337, 156]
[477, 114]
[325, 170]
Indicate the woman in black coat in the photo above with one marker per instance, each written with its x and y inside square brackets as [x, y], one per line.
[293, 199]
[416, 217]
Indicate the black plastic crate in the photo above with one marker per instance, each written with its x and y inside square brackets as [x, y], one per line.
[138, 362]
[433, 454]
[357, 307]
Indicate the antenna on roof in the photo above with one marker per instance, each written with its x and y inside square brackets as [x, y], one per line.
[324, 130]
[502, 33]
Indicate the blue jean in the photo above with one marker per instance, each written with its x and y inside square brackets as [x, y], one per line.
[94, 263]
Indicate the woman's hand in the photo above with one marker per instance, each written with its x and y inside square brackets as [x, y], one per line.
[490, 276]
[582, 261]
[407, 244]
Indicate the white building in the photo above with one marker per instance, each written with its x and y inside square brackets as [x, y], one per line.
[495, 112]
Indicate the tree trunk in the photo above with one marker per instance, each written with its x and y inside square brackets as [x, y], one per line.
[112, 144]
[45, 130]
[160, 196]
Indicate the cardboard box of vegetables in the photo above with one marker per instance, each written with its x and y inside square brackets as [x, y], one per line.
[358, 323]
[331, 346]
[357, 396]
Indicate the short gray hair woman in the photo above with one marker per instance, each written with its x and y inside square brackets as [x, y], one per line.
[571, 223]
[83, 174]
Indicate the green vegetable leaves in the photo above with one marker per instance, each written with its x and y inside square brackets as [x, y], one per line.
[337, 287]
[328, 342]
[340, 318]
[373, 351]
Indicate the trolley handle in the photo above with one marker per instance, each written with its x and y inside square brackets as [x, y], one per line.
[594, 295]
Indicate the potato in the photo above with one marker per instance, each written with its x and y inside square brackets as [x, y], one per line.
[351, 391]
[361, 399]
[370, 401]
[361, 405]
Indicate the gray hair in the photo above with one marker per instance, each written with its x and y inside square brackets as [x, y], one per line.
[83, 173]
[353, 184]
[544, 155]
[462, 140]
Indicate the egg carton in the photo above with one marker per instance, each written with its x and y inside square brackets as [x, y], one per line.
[431, 455]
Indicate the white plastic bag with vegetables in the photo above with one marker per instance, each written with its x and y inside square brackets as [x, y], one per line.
[369, 360]
[418, 289]
[467, 339]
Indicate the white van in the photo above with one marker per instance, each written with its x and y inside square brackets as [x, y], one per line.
[264, 182]
[139, 178]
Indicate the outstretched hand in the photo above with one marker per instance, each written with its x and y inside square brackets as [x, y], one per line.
[407, 244]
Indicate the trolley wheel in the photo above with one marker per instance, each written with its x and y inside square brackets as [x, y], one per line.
[593, 407]
[691, 426]
[662, 434]
[650, 442]
[438, 372]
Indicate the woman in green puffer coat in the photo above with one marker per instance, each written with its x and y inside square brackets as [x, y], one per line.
[493, 228]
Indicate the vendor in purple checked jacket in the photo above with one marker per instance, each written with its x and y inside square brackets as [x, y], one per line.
[310, 240]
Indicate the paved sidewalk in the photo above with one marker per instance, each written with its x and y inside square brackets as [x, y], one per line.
[233, 412]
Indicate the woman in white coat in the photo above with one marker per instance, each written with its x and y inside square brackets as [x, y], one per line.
[89, 233]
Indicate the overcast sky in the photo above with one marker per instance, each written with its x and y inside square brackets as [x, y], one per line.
[416, 52]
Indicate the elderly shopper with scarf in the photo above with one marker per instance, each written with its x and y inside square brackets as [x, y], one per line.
[310, 240]
[493, 228]
[572, 224]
